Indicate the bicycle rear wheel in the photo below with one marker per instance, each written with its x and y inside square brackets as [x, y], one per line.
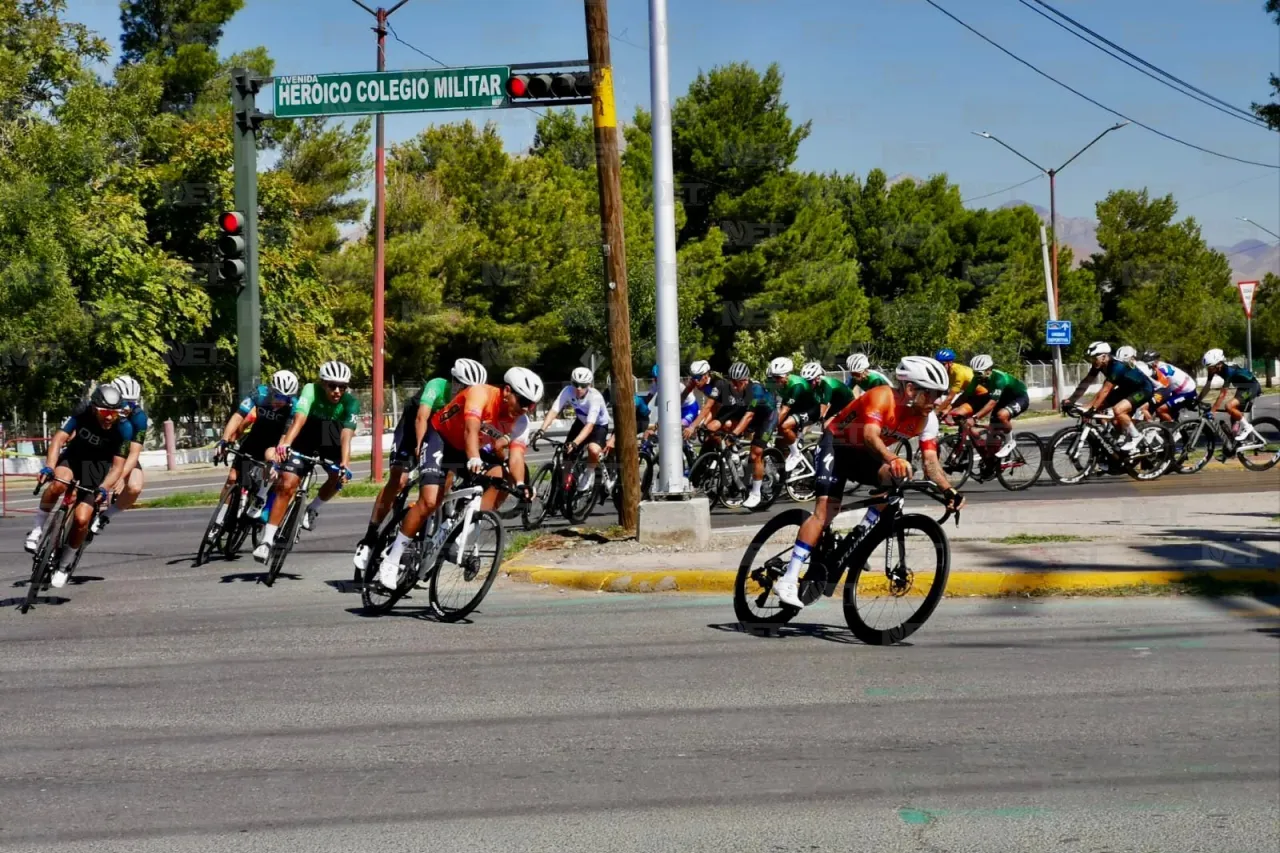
[879, 567]
[956, 460]
[1264, 448]
[580, 502]
[764, 561]
[1070, 458]
[212, 533]
[1022, 467]
[705, 477]
[1154, 455]
[1193, 446]
[800, 482]
[285, 538]
[42, 562]
[461, 580]
[533, 513]
[236, 526]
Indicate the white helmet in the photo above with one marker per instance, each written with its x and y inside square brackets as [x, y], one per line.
[130, 390]
[781, 366]
[699, 369]
[858, 363]
[981, 363]
[923, 372]
[1213, 356]
[1098, 348]
[335, 371]
[1126, 353]
[811, 371]
[739, 371]
[581, 376]
[284, 382]
[524, 382]
[470, 372]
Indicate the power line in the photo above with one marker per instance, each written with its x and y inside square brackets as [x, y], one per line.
[1234, 112]
[1098, 104]
[1005, 190]
[1158, 70]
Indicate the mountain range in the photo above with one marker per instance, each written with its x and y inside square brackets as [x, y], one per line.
[1249, 259]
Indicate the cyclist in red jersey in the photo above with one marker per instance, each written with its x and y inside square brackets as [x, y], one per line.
[855, 445]
[480, 414]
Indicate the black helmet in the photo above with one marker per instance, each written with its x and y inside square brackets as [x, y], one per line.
[106, 397]
[1150, 356]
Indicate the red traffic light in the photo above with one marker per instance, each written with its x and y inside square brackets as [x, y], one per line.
[549, 86]
[517, 88]
[232, 222]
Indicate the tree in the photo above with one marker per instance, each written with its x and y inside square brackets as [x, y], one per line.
[326, 163]
[180, 38]
[1270, 113]
[1266, 322]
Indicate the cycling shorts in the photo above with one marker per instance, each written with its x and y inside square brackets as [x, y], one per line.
[88, 473]
[1247, 394]
[803, 419]
[1176, 402]
[1137, 397]
[764, 421]
[1016, 402]
[439, 457]
[599, 433]
[403, 451]
[836, 464]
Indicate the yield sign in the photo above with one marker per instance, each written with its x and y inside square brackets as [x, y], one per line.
[1247, 289]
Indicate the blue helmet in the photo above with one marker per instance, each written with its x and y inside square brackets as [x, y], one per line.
[655, 371]
[946, 356]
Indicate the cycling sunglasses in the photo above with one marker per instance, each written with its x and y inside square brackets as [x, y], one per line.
[523, 402]
[582, 385]
[335, 386]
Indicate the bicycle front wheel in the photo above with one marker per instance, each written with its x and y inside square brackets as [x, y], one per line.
[956, 459]
[897, 576]
[1261, 451]
[764, 561]
[1193, 444]
[800, 482]
[1070, 458]
[466, 570]
[285, 537]
[42, 562]
[1022, 467]
[212, 533]
[533, 513]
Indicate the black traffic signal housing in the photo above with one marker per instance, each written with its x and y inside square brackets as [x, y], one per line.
[550, 88]
[233, 263]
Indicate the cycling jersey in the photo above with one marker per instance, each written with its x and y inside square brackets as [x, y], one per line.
[997, 383]
[90, 441]
[896, 420]
[731, 404]
[316, 406]
[798, 395]
[873, 379]
[434, 393]
[960, 377]
[138, 423]
[1235, 375]
[834, 393]
[590, 408]
[1145, 370]
[268, 422]
[1176, 380]
[485, 404]
[1122, 376]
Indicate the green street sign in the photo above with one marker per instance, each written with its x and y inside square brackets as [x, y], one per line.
[427, 90]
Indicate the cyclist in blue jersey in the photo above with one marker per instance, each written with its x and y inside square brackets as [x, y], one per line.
[264, 415]
[1247, 388]
[131, 481]
[1175, 391]
[688, 405]
[1124, 390]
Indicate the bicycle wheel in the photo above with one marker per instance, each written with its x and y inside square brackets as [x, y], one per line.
[800, 482]
[42, 562]
[285, 538]
[543, 486]
[1193, 446]
[578, 506]
[764, 561]
[956, 460]
[870, 575]
[1021, 468]
[236, 526]
[705, 477]
[464, 574]
[1070, 458]
[376, 598]
[1154, 455]
[1263, 450]
[212, 533]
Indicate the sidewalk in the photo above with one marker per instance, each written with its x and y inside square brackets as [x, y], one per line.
[1100, 544]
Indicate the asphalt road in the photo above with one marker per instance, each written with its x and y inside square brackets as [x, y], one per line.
[169, 709]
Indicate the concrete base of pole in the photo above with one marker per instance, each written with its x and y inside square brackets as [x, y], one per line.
[675, 522]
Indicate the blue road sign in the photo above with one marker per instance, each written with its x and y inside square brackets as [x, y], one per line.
[1057, 333]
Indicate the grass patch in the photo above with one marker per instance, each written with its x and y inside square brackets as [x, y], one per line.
[180, 500]
[518, 542]
[361, 489]
[1275, 518]
[1040, 539]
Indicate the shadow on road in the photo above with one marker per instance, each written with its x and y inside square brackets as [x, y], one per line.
[831, 633]
[55, 600]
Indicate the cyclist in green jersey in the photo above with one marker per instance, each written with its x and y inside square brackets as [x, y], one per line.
[797, 406]
[760, 419]
[861, 377]
[407, 447]
[834, 395]
[324, 420]
[1005, 395]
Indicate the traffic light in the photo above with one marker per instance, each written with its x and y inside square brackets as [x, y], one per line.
[231, 247]
[539, 87]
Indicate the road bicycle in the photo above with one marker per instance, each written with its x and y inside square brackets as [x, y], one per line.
[911, 592]
[290, 530]
[1195, 440]
[964, 455]
[724, 473]
[53, 538]
[801, 481]
[649, 463]
[242, 516]
[555, 487]
[1091, 448]
[457, 553]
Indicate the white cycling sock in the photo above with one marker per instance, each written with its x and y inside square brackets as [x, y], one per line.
[1132, 431]
[269, 534]
[41, 516]
[397, 547]
[755, 487]
[799, 556]
[315, 504]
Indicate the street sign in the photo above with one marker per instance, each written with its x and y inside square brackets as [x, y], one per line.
[1247, 290]
[429, 90]
[1057, 333]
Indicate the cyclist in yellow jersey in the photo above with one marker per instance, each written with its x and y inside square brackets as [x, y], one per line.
[961, 375]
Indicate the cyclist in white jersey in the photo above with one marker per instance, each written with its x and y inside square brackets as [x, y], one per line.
[591, 421]
[1175, 388]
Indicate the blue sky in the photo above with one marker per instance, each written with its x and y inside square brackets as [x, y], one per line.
[887, 83]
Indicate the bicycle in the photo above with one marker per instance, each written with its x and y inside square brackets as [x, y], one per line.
[801, 482]
[241, 518]
[724, 473]
[1086, 449]
[555, 487]
[836, 554]
[963, 456]
[53, 539]
[1204, 432]
[453, 535]
[649, 463]
[290, 530]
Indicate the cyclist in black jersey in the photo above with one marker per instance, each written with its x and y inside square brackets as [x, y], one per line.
[1124, 390]
[1246, 385]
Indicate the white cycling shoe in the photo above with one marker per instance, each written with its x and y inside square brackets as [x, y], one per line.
[361, 558]
[33, 541]
[59, 578]
[389, 573]
[752, 501]
[792, 460]
[788, 591]
[262, 552]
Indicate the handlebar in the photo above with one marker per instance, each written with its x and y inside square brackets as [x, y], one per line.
[222, 455]
[541, 436]
[899, 488]
[41, 482]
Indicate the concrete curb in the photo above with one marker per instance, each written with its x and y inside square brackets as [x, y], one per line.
[959, 585]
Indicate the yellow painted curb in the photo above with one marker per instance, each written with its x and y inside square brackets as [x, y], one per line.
[960, 584]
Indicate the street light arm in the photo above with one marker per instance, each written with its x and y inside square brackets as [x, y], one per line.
[366, 8]
[1090, 145]
[1259, 227]
[1014, 150]
[397, 6]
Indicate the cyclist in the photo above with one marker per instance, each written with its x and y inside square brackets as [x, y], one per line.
[961, 376]
[1124, 390]
[324, 420]
[722, 407]
[798, 406]
[410, 432]
[760, 418]
[1177, 388]
[856, 445]
[265, 413]
[590, 425]
[689, 407]
[862, 377]
[455, 438]
[1247, 389]
[129, 487]
[96, 436]
[1005, 396]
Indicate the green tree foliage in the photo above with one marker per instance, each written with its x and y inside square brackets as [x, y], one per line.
[1270, 113]
[180, 39]
[1266, 320]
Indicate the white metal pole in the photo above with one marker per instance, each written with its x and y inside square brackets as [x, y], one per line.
[670, 454]
[1053, 315]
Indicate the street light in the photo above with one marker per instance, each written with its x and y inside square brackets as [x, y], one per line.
[1256, 225]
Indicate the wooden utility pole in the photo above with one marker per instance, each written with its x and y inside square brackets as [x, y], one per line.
[608, 168]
